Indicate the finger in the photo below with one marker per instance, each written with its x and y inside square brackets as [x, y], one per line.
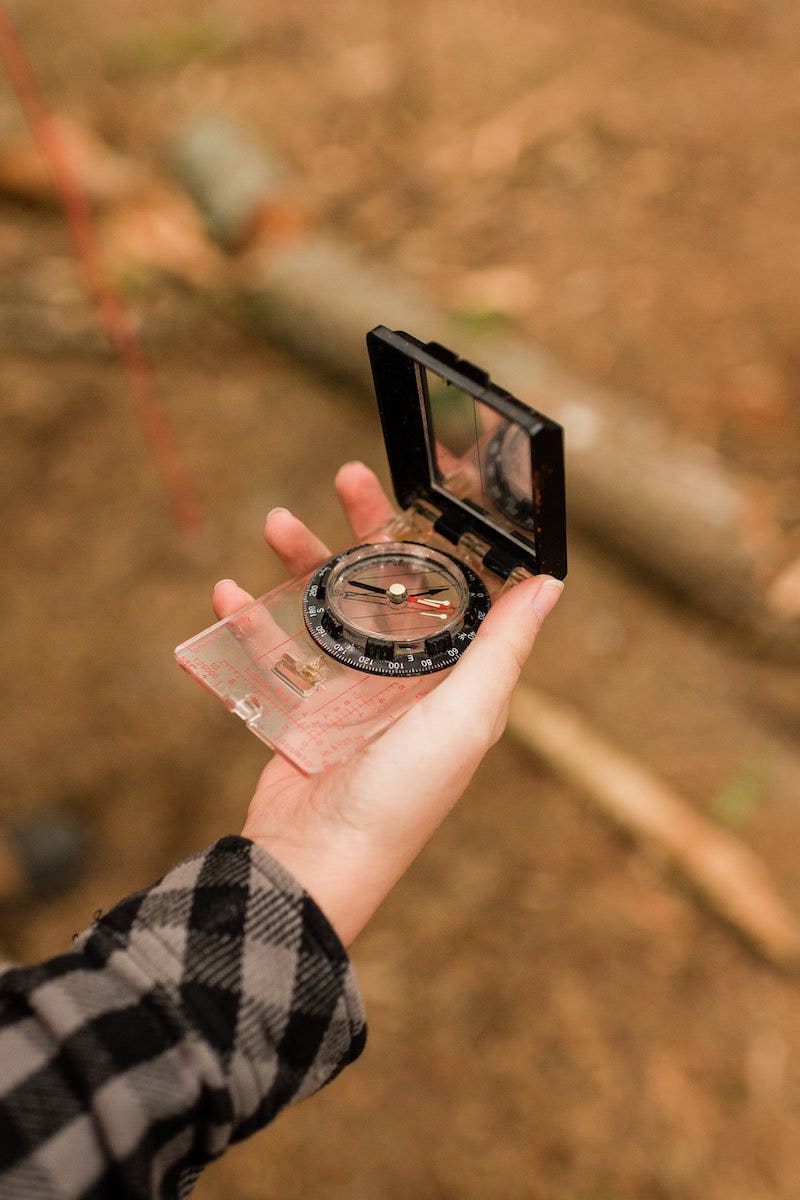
[507, 635]
[254, 628]
[228, 598]
[364, 501]
[436, 746]
[483, 679]
[296, 546]
[465, 714]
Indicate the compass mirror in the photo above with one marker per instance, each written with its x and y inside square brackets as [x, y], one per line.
[479, 457]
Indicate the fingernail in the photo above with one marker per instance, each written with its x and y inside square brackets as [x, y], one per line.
[547, 597]
[220, 582]
[272, 512]
[356, 462]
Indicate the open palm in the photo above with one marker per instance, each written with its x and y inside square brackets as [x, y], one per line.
[349, 835]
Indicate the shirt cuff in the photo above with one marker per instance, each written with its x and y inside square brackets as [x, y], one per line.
[257, 972]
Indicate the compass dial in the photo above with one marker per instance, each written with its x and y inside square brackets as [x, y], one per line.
[508, 474]
[394, 608]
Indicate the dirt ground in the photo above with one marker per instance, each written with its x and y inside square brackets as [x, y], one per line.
[552, 1016]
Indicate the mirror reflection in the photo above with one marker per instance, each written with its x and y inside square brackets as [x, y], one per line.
[479, 457]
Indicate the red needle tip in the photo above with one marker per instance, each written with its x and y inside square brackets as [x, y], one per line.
[422, 603]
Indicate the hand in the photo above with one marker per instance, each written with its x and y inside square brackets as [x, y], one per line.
[348, 835]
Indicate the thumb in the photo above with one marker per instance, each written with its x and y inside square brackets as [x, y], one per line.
[453, 726]
[486, 675]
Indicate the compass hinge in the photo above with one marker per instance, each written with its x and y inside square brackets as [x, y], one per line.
[474, 549]
[424, 514]
[501, 561]
[494, 558]
[470, 546]
[450, 527]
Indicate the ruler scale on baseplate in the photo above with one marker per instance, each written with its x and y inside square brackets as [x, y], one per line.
[319, 666]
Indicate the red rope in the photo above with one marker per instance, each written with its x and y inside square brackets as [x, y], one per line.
[111, 313]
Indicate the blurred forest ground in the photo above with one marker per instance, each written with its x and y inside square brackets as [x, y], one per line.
[619, 181]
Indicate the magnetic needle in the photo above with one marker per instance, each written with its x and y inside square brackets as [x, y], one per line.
[394, 608]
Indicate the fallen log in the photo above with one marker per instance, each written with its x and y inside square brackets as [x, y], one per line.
[240, 193]
[669, 505]
[106, 175]
[730, 878]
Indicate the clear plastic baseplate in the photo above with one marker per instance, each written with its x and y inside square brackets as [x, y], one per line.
[264, 667]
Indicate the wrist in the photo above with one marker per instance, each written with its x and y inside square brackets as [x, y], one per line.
[346, 880]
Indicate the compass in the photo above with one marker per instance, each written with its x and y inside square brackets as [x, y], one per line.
[478, 476]
[394, 608]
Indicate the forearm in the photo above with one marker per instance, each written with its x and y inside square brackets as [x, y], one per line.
[183, 1020]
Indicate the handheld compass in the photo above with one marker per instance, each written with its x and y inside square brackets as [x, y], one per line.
[394, 608]
[324, 663]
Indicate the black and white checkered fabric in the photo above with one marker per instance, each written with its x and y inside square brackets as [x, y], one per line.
[182, 1021]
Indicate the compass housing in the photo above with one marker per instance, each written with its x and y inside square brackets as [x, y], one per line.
[441, 417]
[389, 629]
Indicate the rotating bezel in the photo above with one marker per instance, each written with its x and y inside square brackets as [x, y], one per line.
[385, 655]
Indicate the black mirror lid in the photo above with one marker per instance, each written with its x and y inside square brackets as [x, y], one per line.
[514, 503]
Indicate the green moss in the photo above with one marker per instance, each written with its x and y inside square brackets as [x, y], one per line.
[173, 44]
[741, 795]
[482, 321]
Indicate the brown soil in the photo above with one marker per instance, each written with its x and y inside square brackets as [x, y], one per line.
[551, 1015]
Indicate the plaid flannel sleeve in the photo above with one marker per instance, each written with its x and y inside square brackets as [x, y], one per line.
[182, 1021]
